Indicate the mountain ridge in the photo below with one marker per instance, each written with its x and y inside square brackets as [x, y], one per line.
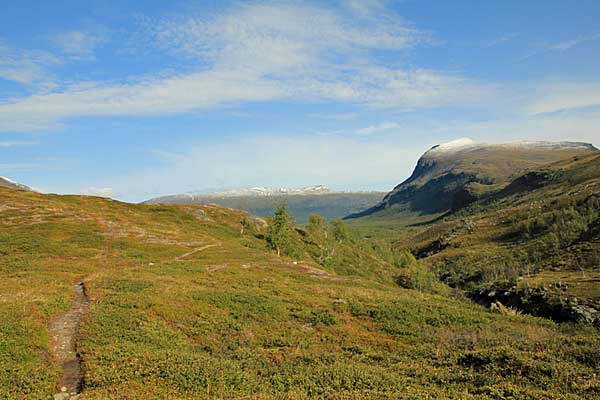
[543, 226]
[452, 175]
[9, 183]
[259, 191]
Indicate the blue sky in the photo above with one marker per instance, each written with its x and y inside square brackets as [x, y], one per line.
[135, 100]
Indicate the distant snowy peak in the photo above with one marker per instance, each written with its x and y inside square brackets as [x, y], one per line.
[265, 191]
[465, 143]
[256, 192]
[261, 192]
[7, 182]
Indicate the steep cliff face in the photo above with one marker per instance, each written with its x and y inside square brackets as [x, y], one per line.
[452, 175]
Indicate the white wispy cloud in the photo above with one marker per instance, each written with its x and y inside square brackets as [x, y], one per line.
[280, 35]
[34, 66]
[365, 8]
[569, 43]
[26, 66]
[203, 90]
[16, 143]
[562, 45]
[383, 127]
[502, 39]
[567, 126]
[259, 51]
[334, 116]
[17, 167]
[101, 192]
[80, 44]
[560, 96]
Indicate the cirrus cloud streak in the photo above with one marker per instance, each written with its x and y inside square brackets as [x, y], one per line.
[257, 52]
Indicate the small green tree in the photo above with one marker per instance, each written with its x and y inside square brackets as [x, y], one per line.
[316, 223]
[246, 225]
[405, 259]
[415, 275]
[340, 231]
[318, 230]
[280, 227]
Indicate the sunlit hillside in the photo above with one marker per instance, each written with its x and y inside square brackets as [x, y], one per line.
[185, 303]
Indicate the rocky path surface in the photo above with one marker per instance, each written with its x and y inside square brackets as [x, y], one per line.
[64, 331]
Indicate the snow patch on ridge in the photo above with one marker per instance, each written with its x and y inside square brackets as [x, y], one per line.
[548, 145]
[9, 180]
[15, 184]
[470, 144]
[454, 146]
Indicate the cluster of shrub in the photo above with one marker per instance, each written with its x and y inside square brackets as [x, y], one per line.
[558, 226]
[336, 247]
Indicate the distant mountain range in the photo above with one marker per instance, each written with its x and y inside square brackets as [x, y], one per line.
[254, 192]
[455, 174]
[9, 183]
[301, 202]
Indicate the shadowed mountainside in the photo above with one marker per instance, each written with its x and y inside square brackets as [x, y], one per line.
[534, 245]
[450, 176]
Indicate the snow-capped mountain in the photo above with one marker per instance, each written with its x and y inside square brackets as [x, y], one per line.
[452, 175]
[315, 190]
[468, 144]
[265, 191]
[9, 183]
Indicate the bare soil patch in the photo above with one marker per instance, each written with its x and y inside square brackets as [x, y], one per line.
[64, 331]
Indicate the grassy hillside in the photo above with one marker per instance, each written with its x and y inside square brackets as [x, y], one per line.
[190, 302]
[330, 206]
[534, 245]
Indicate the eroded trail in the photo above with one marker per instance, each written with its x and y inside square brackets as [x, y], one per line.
[64, 331]
[197, 250]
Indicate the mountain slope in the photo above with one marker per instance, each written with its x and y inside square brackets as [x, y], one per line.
[301, 202]
[455, 174]
[6, 182]
[183, 304]
[534, 245]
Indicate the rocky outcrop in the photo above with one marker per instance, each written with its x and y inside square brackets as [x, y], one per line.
[529, 181]
[539, 301]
